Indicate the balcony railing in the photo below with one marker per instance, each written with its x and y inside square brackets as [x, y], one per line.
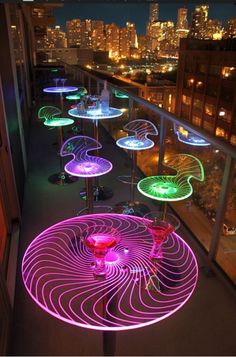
[204, 214]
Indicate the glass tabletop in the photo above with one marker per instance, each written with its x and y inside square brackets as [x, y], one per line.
[62, 89]
[57, 271]
[96, 114]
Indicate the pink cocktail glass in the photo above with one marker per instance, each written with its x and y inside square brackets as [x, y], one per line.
[159, 228]
[100, 240]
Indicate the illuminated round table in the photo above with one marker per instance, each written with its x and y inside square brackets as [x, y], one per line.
[84, 165]
[138, 141]
[60, 90]
[186, 137]
[100, 192]
[57, 271]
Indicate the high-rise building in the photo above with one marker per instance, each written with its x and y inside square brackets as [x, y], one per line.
[142, 46]
[56, 38]
[124, 42]
[153, 12]
[182, 24]
[206, 86]
[230, 29]
[214, 30]
[73, 32]
[86, 34]
[98, 35]
[162, 37]
[132, 35]
[198, 27]
[151, 27]
[112, 40]
[42, 17]
[182, 21]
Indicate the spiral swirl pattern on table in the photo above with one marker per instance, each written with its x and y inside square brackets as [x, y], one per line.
[57, 271]
[173, 188]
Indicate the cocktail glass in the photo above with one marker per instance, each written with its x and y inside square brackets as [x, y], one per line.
[56, 80]
[100, 239]
[159, 228]
[63, 80]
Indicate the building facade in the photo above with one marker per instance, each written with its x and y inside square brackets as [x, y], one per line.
[199, 22]
[206, 86]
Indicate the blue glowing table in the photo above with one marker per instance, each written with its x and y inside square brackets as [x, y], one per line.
[60, 90]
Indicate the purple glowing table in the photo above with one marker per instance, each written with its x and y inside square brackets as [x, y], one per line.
[60, 90]
[83, 164]
[100, 192]
[57, 271]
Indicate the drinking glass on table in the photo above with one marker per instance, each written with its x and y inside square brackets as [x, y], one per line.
[159, 228]
[100, 239]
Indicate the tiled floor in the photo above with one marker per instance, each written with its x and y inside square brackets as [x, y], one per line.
[204, 326]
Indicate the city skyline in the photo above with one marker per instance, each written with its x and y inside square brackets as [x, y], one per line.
[137, 13]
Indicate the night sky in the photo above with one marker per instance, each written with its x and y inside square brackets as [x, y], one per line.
[138, 13]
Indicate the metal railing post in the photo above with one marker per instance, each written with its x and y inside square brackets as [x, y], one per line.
[89, 85]
[98, 88]
[131, 107]
[162, 136]
[226, 187]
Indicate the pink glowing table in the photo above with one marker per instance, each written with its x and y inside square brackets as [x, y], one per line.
[57, 271]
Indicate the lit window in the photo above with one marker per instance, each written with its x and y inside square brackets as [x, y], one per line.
[190, 82]
[186, 100]
[224, 115]
[197, 103]
[210, 109]
[221, 132]
[196, 120]
[233, 140]
[228, 72]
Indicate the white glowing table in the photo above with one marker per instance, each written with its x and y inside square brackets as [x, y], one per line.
[57, 273]
[95, 116]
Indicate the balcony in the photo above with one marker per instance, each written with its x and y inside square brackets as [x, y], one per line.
[28, 157]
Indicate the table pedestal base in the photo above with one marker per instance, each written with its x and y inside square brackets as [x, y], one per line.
[62, 179]
[131, 208]
[128, 179]
[100, 193]
[109, 343]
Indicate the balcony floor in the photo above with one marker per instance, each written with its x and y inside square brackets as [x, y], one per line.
[204, 326]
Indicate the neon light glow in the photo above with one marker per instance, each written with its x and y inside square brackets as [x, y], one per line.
[189, 138]
[142, 128]
[82, 91]
[48, 112]
[58, 122]
[173, 188]
[50, 115]
[94, 111]
[120, 95]
[113, 113]
[84, 165]
[64, 89]
[73, 97]
[58, 273]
